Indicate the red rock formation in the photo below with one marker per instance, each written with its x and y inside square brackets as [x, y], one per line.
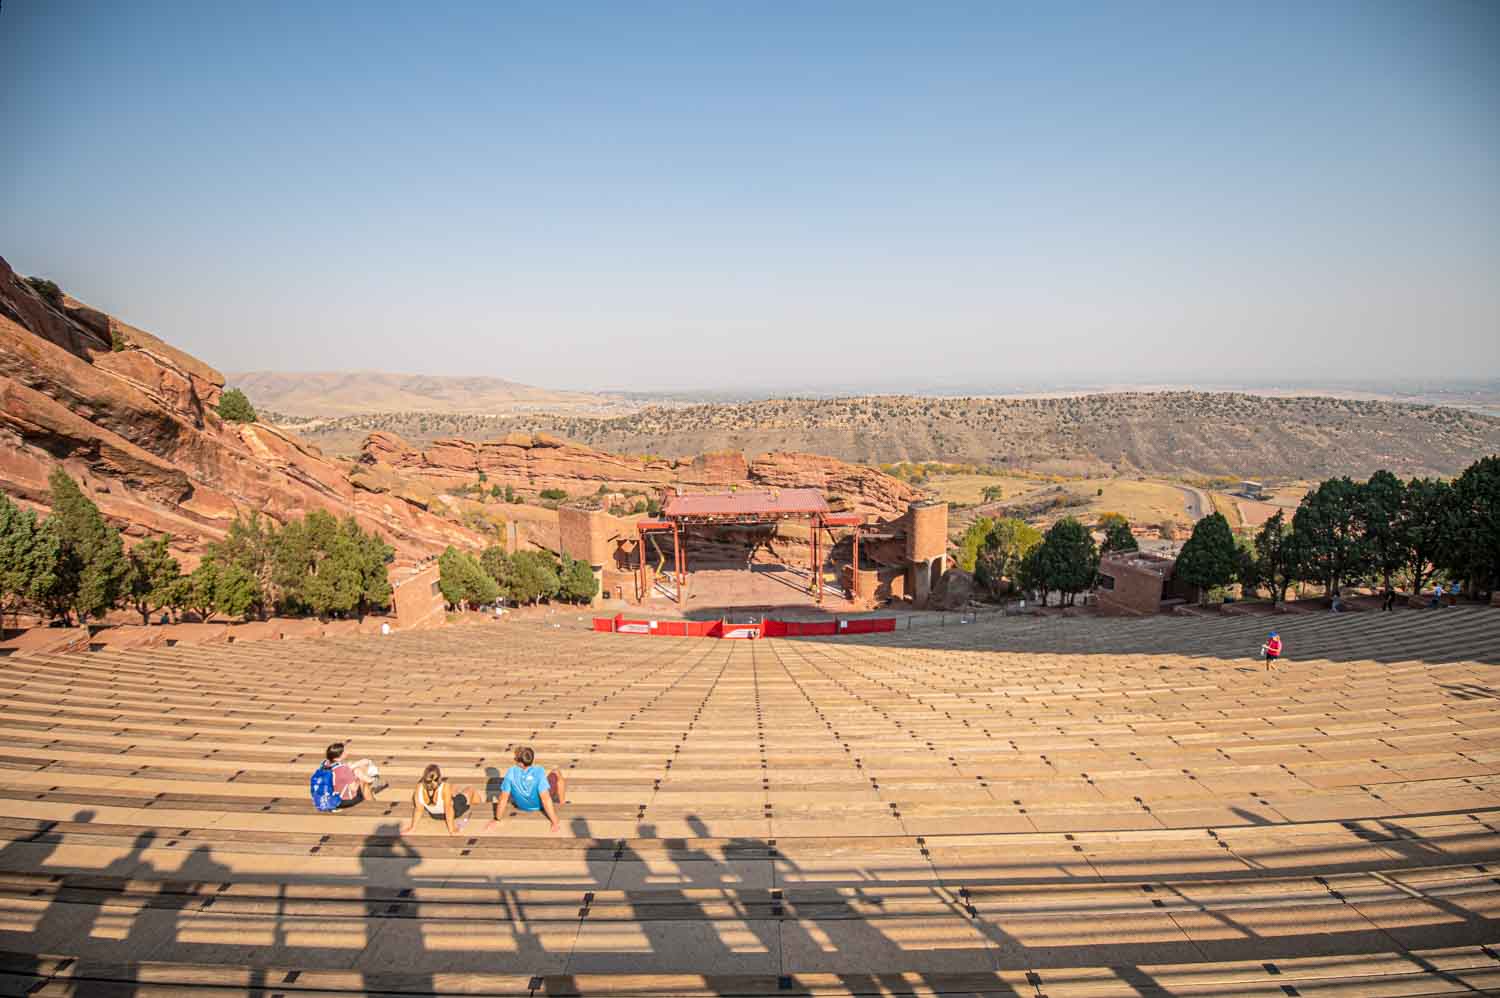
[531, 464]
[137, 426]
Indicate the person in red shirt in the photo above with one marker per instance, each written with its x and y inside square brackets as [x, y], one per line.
[1271, 650]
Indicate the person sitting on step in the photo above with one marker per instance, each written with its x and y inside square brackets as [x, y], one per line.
[531, 788]
[350, 779]
[437, 799]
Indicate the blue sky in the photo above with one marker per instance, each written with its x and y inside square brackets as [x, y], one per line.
[714, 195]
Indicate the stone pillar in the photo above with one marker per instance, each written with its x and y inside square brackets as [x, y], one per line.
[584, 535]
[926, 548]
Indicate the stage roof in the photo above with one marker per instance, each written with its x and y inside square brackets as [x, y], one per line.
[759, 502]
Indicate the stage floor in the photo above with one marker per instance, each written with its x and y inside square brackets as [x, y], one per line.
[738, 594]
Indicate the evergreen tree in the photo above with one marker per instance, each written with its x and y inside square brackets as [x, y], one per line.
[463, 582]
[1029, 574]
[1208, 558]
[235, 407]
[1380, 503]
[201, 593]
[1067, 558]
[496, 564]
[576, 582]
[1117, 536]
[251, 544]
[92, 565]
[29, 553]
[1426, 527]
[1278, 557]
[235, 591]
[154, 576]
[534, 576]
[1330, 525]
[1473, 550]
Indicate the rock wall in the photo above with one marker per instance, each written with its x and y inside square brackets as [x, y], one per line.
[531, 463]
[137, 427]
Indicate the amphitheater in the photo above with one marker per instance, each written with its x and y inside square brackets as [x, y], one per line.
[1030, 806]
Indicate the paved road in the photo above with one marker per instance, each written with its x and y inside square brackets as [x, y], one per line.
[1198, 504]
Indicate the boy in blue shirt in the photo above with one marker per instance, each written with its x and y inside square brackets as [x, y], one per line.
[531, 788]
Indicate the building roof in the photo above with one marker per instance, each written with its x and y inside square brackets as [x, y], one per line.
[768, 503]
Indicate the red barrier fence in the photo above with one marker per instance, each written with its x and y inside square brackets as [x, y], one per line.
[619, 624]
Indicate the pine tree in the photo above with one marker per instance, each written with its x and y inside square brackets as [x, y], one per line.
[1067, 559]
[92, 566]
[29, 553]
[1208, 558]
[154, 576]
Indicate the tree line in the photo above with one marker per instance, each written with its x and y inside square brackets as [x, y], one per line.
[524, 577]
[73, 565]
[1382, 531]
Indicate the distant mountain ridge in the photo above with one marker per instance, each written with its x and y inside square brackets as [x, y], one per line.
[340, 393]
[1207, 433]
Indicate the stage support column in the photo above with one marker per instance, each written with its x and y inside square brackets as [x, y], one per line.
[854, 585]
[677, 558]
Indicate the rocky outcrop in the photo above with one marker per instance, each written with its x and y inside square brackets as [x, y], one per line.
[532, 463]
[133, 419]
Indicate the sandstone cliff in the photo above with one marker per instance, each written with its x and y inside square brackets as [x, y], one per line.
[530, 463]
[133, 419]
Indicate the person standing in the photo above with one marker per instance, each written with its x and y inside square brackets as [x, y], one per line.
[1271, 650]
[1389, 603]
[1437, 596]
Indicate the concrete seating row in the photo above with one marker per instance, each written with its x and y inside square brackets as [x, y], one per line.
[1024, 806]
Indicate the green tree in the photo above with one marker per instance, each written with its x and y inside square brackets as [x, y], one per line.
[325, 566]
[1427, 526]
[201, 593]
[534, 576]
[154, 576]
[235, 591]
[554, 495]
[972, 542]
[496, 564]
[92, 568]
[576, 582]
[1208, 558]
[510, 495]
[1030, 575]
[1008, 541]
[1473, 551]
[1117, 535]
[463, 582]
[250, 543]
[1329, 523]
[235, 407]
[1067, 559]
[1278, 556]
[29, 554]
[1380, 502]
[48, 290]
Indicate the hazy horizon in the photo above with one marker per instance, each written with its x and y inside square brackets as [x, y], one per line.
[681, 198]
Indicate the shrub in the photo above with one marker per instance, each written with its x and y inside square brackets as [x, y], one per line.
[235, 407]
[555, 495]
[48, 290]
[117, 341]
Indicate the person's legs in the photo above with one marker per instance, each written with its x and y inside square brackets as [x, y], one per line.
[550, 810]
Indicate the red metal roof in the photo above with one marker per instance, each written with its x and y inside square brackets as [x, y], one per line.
[768, 502]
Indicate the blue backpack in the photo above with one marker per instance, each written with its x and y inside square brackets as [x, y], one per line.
[321, 787]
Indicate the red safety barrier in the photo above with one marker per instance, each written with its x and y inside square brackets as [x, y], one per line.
[619, 624]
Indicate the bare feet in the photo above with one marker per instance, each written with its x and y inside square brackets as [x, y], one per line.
[494, 824]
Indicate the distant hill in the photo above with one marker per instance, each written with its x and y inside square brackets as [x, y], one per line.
[320, 394]
[1182, 433]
